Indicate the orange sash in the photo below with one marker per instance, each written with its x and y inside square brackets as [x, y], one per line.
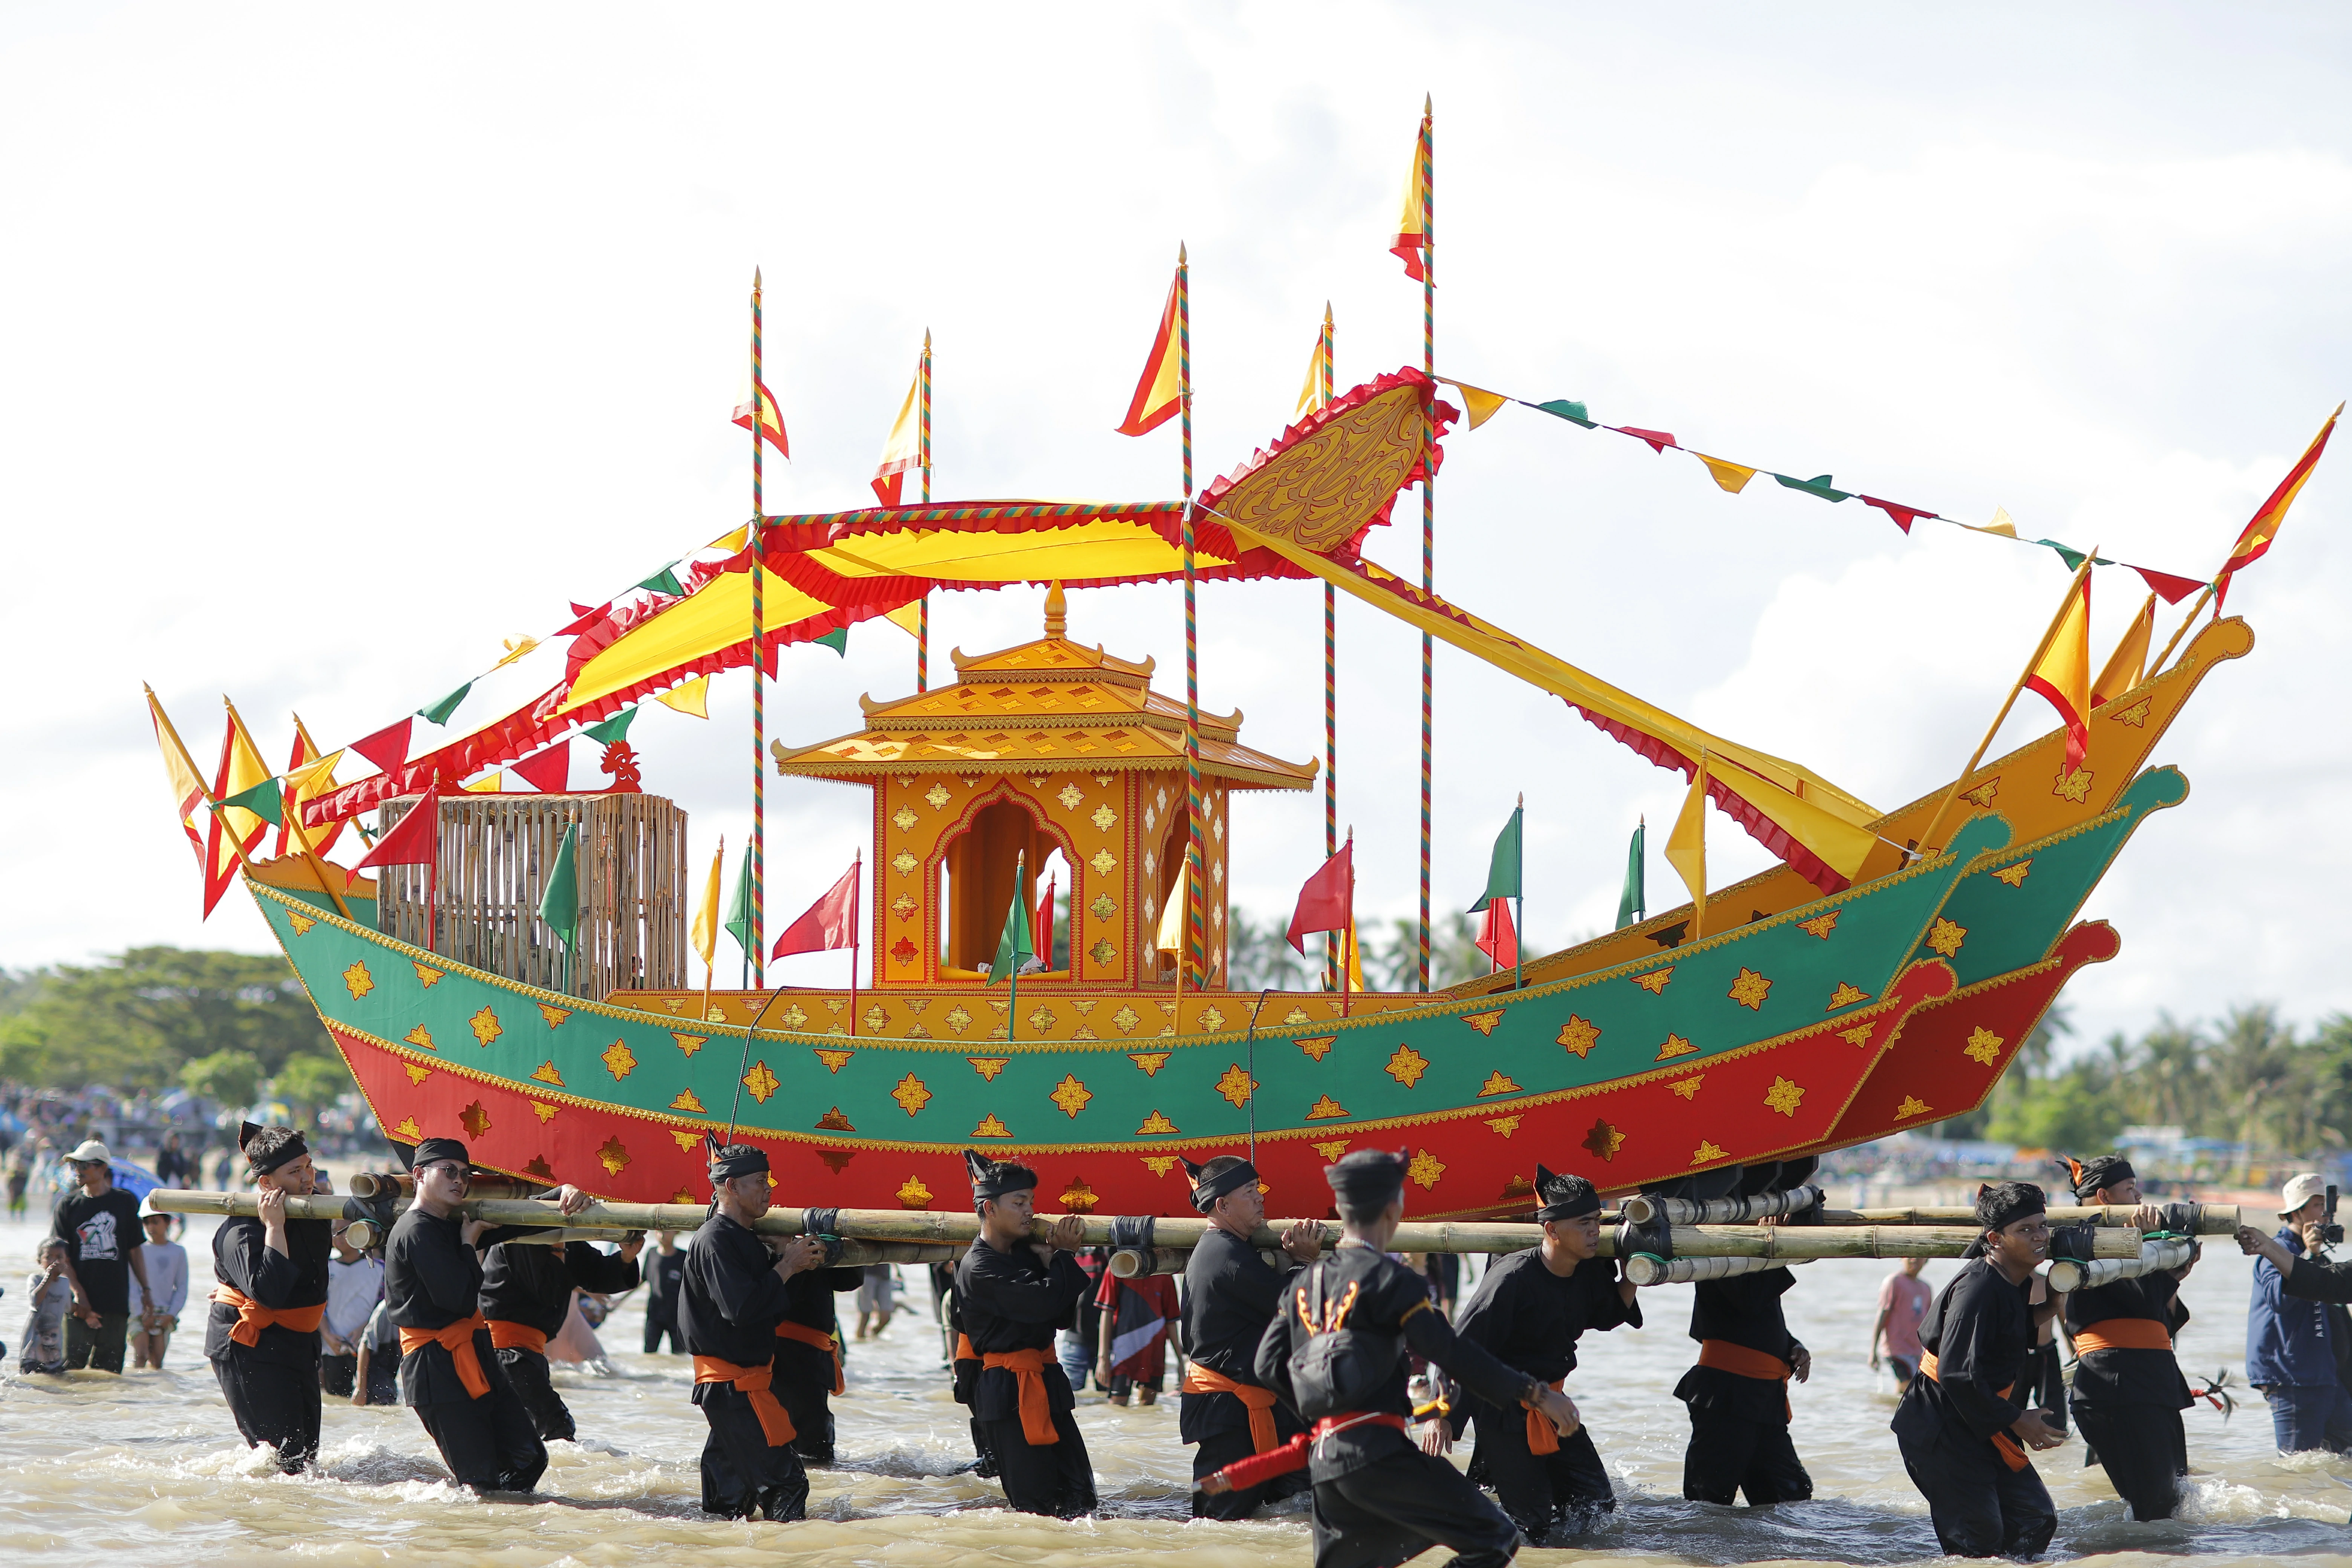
[829, 1343]
[753, 1384]
[1036, 1412]
[457, 1339]
[1543, 1437]
[252, 1317]
[507, 1336]
[2122, 1334]
[2012, 1453]
[963, 1349]
[1263, 1438]
[1743, 1362]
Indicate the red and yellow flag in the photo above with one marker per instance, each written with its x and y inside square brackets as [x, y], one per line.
[1160, 394]
[1318, 368]
[2129, 663]
[771, 424]
[2062, 672]
[241, 768]
[1411, 242]
[904, 448]
[188, 784]
[307, 776]
[1687, 845]
[2254, 540]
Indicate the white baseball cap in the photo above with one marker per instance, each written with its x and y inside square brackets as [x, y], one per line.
[93, 1152]
[2299, 1191]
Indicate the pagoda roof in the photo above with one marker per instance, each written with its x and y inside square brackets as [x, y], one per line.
[1047, 706]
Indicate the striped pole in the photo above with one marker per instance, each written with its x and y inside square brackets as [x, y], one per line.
[1196, 934]
[923, 418]
[758, 955]
[1428, 494]
[1330, 696]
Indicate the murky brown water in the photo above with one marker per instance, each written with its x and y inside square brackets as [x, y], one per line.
[147, 1468]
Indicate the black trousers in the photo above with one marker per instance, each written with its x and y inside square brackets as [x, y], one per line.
[339, 1375]
[655, 1326]
[1227, 1448]
[275, 1406]
[100, 1347]
[1729, 1454]
[489, 1443]
[1386, 1512]
[527, 1371]
[2145, 1451]
[1979, 1506]
[742, 1476]
[804, 1386]
[1549, 1496]
[1056, 1479]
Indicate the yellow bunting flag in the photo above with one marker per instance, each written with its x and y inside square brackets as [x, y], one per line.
[705, 913]
[517, 647]
[2254, 539]
[188, 784]
[1687, 845]
[304, 784]
[2129, 663]
[2063, 671]
[691, 696]
[1355, 959]
[731, 541]
[908, 617]
[2000, 524]
[903, 449]
[1482, 402]
[493, 783]
[241, 769]
[1161, 391]
[1733, 477]
[1318, 368]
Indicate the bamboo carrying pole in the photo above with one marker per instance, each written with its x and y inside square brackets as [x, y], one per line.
[402, 1186]
[2202, 1219]
[1643, 1270]
[1643, 1210]
[2066, 1274]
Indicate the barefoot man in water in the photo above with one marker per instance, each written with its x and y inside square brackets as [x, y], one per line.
[261, 1332]
[1963, 1439]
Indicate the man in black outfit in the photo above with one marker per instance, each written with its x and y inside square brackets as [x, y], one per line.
[734, 1296]
[1230, 1297]
[527, 1295]
[665, 1272]
[1739, 1393]
[1338, 1354]
[808, 1357]
[1528, 1312]
[261, 1332]
[1964, 1441]
[2128, 1392]
[449, 1371]
[1015, 1293]
[2309, 1278]
[99, 1225]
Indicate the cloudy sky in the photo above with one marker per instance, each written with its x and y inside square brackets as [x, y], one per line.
[337, 345]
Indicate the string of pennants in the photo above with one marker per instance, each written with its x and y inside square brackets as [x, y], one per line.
[1731, 477]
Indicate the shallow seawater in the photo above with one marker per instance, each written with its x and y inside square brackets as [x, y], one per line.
[148, 1469]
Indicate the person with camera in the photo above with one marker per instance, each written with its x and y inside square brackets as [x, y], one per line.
[2128, 1392]
[1338, 1354]
[1964, 1441]
[2290, 1346]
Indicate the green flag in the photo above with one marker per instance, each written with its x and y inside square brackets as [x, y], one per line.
[1014, 949]
[739, 914]
[266, 800]
[1634, 903]
[613, 729]
[559, 906]
[1503, 870]
[836, 639]
[439, 712]
[665, 581]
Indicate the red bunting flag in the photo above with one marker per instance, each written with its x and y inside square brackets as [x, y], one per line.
[550, 771]
[1904, 516]
[584, 617]
[2169, 588]
[830, 923]
[1659, 440]
[387, 747]
[411, 840]
[1497, 940]
[1044, 924]
[1327, 901]
[2254, 540]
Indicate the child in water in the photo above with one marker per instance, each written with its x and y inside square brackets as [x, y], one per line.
[49, 1293]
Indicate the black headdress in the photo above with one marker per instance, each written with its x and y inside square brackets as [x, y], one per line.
[433, 1149]
[2087, 1176]
[1233, 1173]
[1564, 1196]
[1368, 1178]
[275, 1158]
[995, 1178]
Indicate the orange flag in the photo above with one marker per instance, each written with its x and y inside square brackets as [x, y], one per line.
[2062, 672]
[2254, 539]
[2129, 663]
[1160, 394]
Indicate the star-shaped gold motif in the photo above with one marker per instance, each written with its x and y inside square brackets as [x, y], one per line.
[1105, 818]
[301, 923]
[686, 1139]
[1041, 1020]
[358, 980]
[913, 1194]
[1676, 1045]
[545, 1073]
[762, 1082]
[417, 1072]
[613, 1156]
[1579, 1036]
[1317, 1047]
[1104, 954]
[834, 1121]
[1912, 1106]
[958, 1020]
[1688, 1087]
[910, 1094]
[1330, 1151]
[546, 1113]
[1505, 1125]
[938, 795]
[992, 1126]
[1127, 1018]
[793, 1016]
[474, 1120]
[1749, 989]
[904, 818]
[1846, 995]
[1325, 1110]
[874, 1018]
[1705, 1152]
[834, 1060]
[1981, 796]
[1484, 1022]
[1603, 1141]
[1159, 1165]
[486, 1026]
[1859, 1035]
[1784, 1097]
[1497, 1082]
[408, 1132]
[989, 1067]
[2075, 786]
[1983, 1045]
[1070, 1095]
[1155, 1124]
[421, 1037]
[1102, 861]
[687, 1100]
[2136, 715]
[1078, 1197]
[1822, 925]
[690, 1044]
[1236, 1086]
[2014, 875]
[1424, 1169]
[1210, 1019]
[1655, 981]
[427, 975]
[1406, 1066]
[904, 863]
[619, 1060]
[555, 1016]
[1945, 937]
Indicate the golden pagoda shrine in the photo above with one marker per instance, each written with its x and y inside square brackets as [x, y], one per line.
[1048, 748]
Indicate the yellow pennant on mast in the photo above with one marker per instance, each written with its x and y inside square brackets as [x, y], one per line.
[903, 449]
[2129, 664]
[1318, 368]
[1686, 845]
[188, 784]
[705, 913]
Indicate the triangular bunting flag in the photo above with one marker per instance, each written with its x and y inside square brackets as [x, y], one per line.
[387, 747]
[1659, 440]
[266, 800]
[689, 697]
[411, 840]
[836, 639]
[2170, 588]
[1482, 402]
[439, 712]
[1818, 485]
[1160, 394]
[1904, 516]
[665, 581]
[616, 728]
[1567, 408]
[1733, 477]
[548, 772]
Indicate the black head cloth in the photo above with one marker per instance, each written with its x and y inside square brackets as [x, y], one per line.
[2087, 1176]
[433, 1149]
[738, 1160]
[995, 1178]
[1225, 1175]
[2000, 1204]
[1368, 1178]
[1565, 1196]
[264, 1161]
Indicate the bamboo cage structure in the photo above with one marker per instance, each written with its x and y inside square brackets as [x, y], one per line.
[495, 854]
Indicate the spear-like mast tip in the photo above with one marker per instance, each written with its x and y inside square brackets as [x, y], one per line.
[1428, 103]
[1179, 253]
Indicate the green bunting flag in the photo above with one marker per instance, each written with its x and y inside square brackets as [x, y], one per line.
[266, 800]
[613, 729]
[1818, 485]
[559, 906]
[739, 914]
[1503, 869]
[1015, 948]
[1566, 409]
[665, 581]
[837, 639]
[439, 712]
[1633, 902]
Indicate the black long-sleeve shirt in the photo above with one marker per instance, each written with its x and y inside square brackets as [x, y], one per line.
[2315, 1281]
[532, 1285]
[2110, 1379]
[1231, 1294]
[298, 1278]
[1016, 1302]
[1980, 1330]
[733, 1297]
[1744, 1310]
[665, 1277]
[1389, 1300]
[431, 1279]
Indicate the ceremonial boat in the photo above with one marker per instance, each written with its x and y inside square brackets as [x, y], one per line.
[1880, 976]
